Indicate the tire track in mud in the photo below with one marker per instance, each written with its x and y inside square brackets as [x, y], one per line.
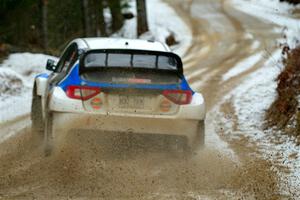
[207, 69]
[220, 42]
[90, 166]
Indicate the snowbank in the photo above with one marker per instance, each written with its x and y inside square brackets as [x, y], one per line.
[27, 64]
[11, 82]
[16, 80]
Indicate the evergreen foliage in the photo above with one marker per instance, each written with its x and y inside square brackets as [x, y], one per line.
[50, 24]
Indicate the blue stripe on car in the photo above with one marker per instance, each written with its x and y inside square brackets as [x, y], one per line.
[74, 79]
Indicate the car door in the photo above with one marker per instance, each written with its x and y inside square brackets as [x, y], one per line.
[66, 61]
[68, 58]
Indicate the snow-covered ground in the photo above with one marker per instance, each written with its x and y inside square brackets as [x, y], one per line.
[256, 93]
[275, 12]
[243, 66]
[16, 81]
[249, 101]
[18, 70]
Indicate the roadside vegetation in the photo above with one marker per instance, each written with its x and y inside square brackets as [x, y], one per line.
[46, 26]
[284, 113]
[292, 1]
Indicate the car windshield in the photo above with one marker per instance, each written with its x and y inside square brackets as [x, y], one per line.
[125, 60]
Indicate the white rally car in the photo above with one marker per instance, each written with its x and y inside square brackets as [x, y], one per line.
[117, 85]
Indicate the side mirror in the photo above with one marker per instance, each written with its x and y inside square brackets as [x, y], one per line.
[51, 65]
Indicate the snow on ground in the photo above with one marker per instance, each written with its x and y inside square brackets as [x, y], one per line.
[16, 80]
[243, 66]
[11, 82]
[27, 65]
[275, 12]
[255, 45]
[250, 100]
[256, 93]
[163, 21]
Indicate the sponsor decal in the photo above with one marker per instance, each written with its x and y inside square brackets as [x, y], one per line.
[139, 80]
[96, 103]
[131, 80]
[165, 105]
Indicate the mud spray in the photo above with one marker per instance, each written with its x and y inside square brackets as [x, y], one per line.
[93, 165]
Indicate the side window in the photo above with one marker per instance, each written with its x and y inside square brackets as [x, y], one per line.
[68, 58]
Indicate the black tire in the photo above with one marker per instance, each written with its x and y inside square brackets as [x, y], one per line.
[37, 125]
[48, 134]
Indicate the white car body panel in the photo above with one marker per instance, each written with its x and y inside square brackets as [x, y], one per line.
[70, 114]
[60, 102]
[120, 43]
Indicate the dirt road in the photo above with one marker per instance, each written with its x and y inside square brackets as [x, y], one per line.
[93, 167]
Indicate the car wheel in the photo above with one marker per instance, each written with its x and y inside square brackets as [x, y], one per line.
[37, 125]
[48, 134]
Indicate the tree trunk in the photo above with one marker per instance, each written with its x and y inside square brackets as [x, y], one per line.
[44, 4]
[142, 22]
[117, 17]
[86, 18]
[102, 24]
[95, 19]
[99, 26]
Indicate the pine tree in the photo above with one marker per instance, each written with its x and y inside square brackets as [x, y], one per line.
[98, 22]
[86, 17]
[44, 23]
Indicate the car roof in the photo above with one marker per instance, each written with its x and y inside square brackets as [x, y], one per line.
[120, 43]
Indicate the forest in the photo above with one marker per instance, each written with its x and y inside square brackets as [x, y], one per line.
[47, 25]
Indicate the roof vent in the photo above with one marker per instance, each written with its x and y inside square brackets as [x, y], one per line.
[126, 43]
[151, 40]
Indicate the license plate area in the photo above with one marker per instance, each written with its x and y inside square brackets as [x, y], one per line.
[131, 102]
